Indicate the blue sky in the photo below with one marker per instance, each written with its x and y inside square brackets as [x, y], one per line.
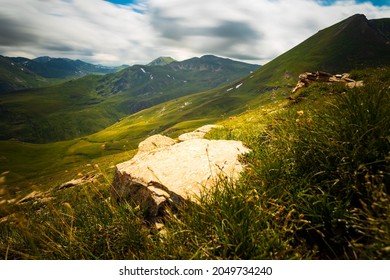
[327, 2]
[138, 31]
[121, 2]
[374, 2]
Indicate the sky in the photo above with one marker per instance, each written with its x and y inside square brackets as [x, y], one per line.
[115, 32]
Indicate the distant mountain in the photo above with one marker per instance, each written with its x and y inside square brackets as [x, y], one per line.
[15, 76]
[18, 73]
[49, 67]
[212, 63]
[156, 84]
[161, 61]
[89, 104]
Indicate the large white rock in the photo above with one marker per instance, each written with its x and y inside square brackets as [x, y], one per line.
[169, 174]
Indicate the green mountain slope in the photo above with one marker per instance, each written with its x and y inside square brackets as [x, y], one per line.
[89, 104]
[350, 44]
[14, 76]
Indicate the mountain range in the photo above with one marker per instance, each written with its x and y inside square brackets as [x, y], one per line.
[18, 73]
[85, 105]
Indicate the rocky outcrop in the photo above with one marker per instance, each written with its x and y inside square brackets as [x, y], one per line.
[167, 175]
[308, 78]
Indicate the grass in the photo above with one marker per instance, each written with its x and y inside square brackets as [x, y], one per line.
[315, 187]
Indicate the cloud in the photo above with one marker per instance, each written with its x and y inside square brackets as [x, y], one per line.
[102, 32]
[14, 33]
[251, 29]
[88, 29]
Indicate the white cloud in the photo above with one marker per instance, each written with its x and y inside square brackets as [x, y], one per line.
[101, 32]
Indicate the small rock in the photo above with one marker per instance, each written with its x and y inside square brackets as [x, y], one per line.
[89, 178]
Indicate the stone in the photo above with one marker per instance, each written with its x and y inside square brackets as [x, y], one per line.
[171, 174]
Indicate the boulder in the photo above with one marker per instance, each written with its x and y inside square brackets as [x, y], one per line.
[165, 176]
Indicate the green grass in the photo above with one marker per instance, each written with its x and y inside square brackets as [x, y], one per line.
[315, 187]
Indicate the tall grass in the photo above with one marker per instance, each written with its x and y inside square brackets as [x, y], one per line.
[77, 224]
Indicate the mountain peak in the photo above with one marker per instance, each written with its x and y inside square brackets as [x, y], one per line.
[161, 61]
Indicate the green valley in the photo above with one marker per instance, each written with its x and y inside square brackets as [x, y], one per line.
[86, 105]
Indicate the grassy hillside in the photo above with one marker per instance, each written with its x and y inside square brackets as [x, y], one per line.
[350, 44]
[315, 187]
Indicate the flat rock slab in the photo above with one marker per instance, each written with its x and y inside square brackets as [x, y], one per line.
[169, 174]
